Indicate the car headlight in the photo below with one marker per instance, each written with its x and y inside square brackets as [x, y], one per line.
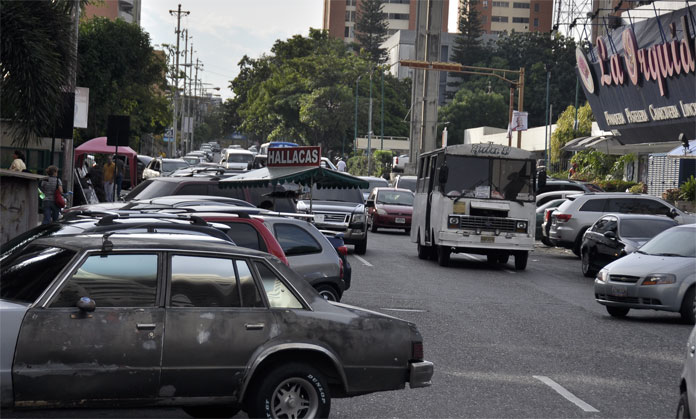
[358, 218]
[453, 221]
[659, 279]
[381, 211]
[521, 226]
[603, 275]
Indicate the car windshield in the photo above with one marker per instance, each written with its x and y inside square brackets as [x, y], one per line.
[476, 177]
[395, 198]
[25, 275]
[644, 228]
[239, 158]
[672, 242]
[333, 194]
[151, 188]
[170, 166]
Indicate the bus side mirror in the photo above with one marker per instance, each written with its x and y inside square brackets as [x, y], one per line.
[444, 174]
[542, 179]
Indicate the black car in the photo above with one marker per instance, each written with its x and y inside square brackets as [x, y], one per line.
[616, 235]
[83, 325]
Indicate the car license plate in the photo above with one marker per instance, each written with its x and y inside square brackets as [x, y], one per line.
[400, 221]
[318, 218]
[487, 239]
[618, 291]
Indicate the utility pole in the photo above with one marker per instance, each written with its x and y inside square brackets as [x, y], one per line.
[178, 12]
[195, 104]
[68, 151]
[188, 102]
[184, 121]
[369, 132]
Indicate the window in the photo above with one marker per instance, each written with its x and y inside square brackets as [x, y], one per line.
[245, 235]
[279, 295]
[605, 224]
[649, 206]
[397, 16]
[346, 33]
[484, 19]
[296, 241]
[520, 20]
[536, 7]
[485, 4]
[503, 19]
[593, 205]
[536, 21]
[350, 16]
[645, 228]
[113, 280]
[517, 5]
[199, 281]
[501, 4]
[250, 292]
[25, 275]
[628, 206]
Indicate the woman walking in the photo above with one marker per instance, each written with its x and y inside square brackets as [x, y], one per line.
[48, 187]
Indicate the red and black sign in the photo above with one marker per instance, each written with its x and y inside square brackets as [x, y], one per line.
[294, 156]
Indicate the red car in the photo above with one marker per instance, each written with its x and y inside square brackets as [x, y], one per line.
[390, 208]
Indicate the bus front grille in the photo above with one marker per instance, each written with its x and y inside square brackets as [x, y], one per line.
[487, 223]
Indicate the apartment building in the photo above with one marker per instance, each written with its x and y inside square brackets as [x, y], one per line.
[515, 15]
[340, 16]
[128, 10]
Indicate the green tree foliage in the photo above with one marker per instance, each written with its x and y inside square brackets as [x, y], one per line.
[124, 76]
[565, 129]
[382, 162]
[470, 109]
[371, 28]
[357, 165]
[37, 39]
[468, 49]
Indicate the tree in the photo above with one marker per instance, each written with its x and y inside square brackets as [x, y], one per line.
[471, 109]
[565, 129]
[124, 75]
[37, 49]
[371, 28]
[467, 49]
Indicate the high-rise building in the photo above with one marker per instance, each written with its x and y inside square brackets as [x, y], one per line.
[128, 10]
[340, 16]
[515, 15]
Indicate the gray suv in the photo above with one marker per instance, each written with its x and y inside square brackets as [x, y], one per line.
[579, 212]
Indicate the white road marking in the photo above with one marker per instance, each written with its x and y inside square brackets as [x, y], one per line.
[565, 393]
[410, 310]
[364, 262]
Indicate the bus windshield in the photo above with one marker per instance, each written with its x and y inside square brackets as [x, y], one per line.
[484, 178]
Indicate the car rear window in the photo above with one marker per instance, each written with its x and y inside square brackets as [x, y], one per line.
[644, 228]
[593, 205]
[151, 188]
[25, 275]
[409, 183]
[245, 235]
[295, 241]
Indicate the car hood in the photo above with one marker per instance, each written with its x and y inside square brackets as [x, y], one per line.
[396, 209]
[638, 264]
[330, 206]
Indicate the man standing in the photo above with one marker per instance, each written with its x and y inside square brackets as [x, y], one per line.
[119, 177]
[341, 165]
[109, 169]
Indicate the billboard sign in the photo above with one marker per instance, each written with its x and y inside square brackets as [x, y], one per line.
[294, 156]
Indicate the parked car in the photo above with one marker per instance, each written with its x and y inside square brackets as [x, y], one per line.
[399, 163]
[194, 159]
[406, 182]
[337, 242]
[163, 167]
[326, 164]
[160, 203]
[615, 235]
[687, 385]
[545, 197]
[579, 212]
[567, 185]
[658, 276]
[141, 163]
[541, 215]
[243, 331]
[236, 159]
[390, 208]
[546, 226]
[340, 210]
[375, 182]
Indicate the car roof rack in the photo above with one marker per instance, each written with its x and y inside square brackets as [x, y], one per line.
[110, 218]
[151, 227]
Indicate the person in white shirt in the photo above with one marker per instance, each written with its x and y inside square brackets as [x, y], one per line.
[341, 165]
[18, 162]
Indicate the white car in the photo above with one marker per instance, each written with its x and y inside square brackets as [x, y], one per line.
[687, 386]
[163, 167]
[236, 159]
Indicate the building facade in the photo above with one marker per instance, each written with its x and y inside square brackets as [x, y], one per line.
[515, 15]
[128, 10]
[340, 16]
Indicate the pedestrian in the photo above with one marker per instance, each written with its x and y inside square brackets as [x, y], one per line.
[18, 162]
[119, 177]
[341, 165]
[49, 187]
[573, 169]
[109, 169]
[96, 177]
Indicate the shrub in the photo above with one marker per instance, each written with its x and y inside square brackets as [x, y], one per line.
[615, 185]
[638, 188]
[687, 191]
[671, 195]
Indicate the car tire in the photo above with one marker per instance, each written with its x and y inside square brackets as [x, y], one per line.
[688, 307]
[423, 251]
[546, 242]
[328, 292]
[210, 411]
[619, 312]
[443, 255]
[304, 383]
[585, 264]
[683, 407]
[361, 247]
[578, 242]
[521, 260]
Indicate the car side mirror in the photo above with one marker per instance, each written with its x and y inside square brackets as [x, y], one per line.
[86, 304]
[610, 235]
[444, 174]
[370, 203]
[673, 213]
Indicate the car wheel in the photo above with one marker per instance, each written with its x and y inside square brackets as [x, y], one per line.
[688, 307]
[290, 391]
[443, 255]
[361, 247]
[683, 407]
[585, 265]
[423, 251]
[211, 411]
[521, 260]
[617, 311]
[328, 292]
[578, 243]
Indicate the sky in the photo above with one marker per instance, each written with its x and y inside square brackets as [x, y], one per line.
[224, 31]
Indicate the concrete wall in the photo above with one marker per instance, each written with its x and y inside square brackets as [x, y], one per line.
[19, 203]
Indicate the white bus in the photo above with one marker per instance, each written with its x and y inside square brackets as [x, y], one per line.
[475, 198]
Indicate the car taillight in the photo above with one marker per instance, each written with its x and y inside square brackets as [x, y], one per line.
[417, 351]
[342, 250]
[396, 160]
[547, 214]
[562, 217]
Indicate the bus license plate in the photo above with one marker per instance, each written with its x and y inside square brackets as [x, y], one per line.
[318, 218]
[487, 239]
[400, 221]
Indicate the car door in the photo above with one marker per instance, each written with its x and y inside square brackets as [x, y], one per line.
[68, 356]
[216, 319]
[606, 246]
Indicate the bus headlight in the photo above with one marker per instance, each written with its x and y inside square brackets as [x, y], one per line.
[453, 221]
[521, 226]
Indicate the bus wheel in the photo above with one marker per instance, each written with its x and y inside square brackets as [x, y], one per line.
[521, 260]
[443, 255]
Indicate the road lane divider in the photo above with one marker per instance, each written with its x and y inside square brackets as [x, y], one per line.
[363, 261]
[565, 393]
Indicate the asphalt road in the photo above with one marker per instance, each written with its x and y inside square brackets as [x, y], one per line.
[505, 343]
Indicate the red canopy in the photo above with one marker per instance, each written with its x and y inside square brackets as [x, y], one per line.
[98, 146]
